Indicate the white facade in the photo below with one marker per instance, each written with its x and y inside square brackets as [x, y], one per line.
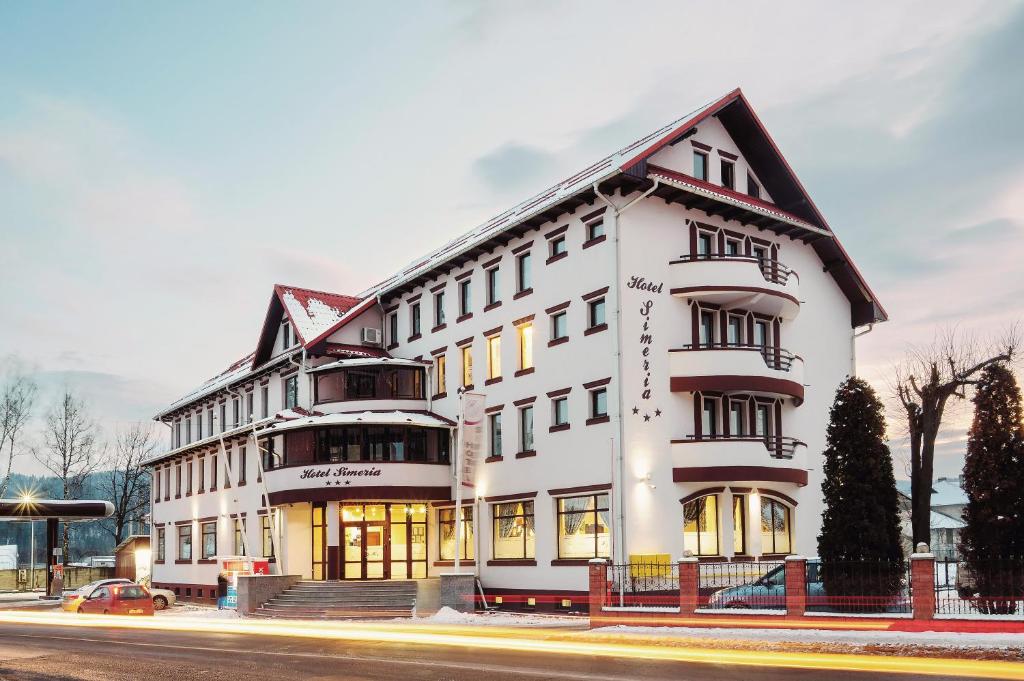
[679, 298]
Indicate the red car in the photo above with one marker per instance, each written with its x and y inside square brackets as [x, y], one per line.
[118, 599]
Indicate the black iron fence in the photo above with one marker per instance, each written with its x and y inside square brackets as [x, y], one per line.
[869, 587]
[986, 587]
[644, 585]
[743, 585]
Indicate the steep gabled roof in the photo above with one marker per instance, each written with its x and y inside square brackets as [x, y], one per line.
[627, 169]
[313, 314]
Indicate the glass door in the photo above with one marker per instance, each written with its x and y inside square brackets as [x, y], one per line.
[319, 541]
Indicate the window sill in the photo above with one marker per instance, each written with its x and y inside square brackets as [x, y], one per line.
[522, 294]
[492, 306]
[571, 561]
[177, 496]
[598, 419]
[212, 489]
[241, 483]
[391, 346]
[712, 559]
[468, 387]
[596, 329]
[158, 562]
[439, 327]
[468, 315]
[774, 556]
[492, 459]
[525, 562]
[527, 454]
[207, 561]
[556, 258]
[188, 494]
[595, 241]
[742, 558]
[439, 396]
[524, 372]
[558, 341]
[492, 381]
[178, 561]
[559, 428]
[414, 337]
[451, 563]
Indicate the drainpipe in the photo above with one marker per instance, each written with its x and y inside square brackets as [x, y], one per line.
[853, 346]
[613, 214]
[227, 467]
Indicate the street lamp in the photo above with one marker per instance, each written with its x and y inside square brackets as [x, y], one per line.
[29, 498]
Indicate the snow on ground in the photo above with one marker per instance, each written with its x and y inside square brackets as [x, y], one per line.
[447, 615]
[197, 611]
[812, 636]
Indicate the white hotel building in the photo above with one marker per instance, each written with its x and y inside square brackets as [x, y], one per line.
[659, 338]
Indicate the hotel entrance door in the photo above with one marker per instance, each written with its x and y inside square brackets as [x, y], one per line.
[384, 541]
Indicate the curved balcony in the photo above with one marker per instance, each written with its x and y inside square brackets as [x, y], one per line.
[739, 458]
[738, 281]
[754, 369]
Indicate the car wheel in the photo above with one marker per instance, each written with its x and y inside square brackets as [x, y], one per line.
[106, 612]
[159, 603]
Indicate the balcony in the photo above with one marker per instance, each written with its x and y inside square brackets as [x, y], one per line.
[738, 281]
[739, 458]
[754, 369]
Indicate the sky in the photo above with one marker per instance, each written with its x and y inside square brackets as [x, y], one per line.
[162, 165]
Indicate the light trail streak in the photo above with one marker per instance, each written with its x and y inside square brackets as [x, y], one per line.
[538, 641]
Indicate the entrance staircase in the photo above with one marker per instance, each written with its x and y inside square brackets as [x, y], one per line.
[343, 599]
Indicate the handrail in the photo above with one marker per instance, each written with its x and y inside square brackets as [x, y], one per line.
[778, 446]
[771, 269]
[776, 358]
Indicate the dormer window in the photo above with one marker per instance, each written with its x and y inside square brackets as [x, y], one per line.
[286, 336]
[728, 174]
[753, 188]
[700, 165]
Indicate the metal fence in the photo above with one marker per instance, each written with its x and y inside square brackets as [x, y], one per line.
[985, 587]
[869, 587]
[644, 585]
[749, 585]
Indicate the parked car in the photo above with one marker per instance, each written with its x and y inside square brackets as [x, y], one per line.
[162, 598]
[73, 599]
[118, 599]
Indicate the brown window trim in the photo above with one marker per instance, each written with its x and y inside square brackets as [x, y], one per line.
[593, 214]
[467, 316]
[511, 497]
[559, 428]
[526, 454]
[492, 381]
[439, 351]
[700, 145]
[560, 392]
[158, 562]
[496, 304]
[451, 563]
[556, 258]
[212, 489]
[438, 288]
[464, 275]
[597, 384]
[595, 329]
[587, 297]
[439, 327]
[439, 396]
[177, 496]
[566, 562]
[492, 459]
[206, 561]
[413, 299]
[468, 387]
[522, 247]
[463, 342]
[595, 241]
[598, 419]
[566, 491]
[392, 346]
[525, 401]
[556, 232]
[558, 341]
[491, 263]
[494, 409]
[522, 294]
[524, 372]
[414, 337]
[727, 155]
[523, 562]
[180, 561]
[557, 308]
[524, 320]
[492, 332]
[393, 308]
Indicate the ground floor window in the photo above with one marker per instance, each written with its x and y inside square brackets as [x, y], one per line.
[240, 537]
[185, 542]
[161, 544]
[446, 529]
[319, 541]
[775, 526]
[268, 536]
[514, 530]
[700, 526]
[209, 531]
[739, 524]
[583, 527]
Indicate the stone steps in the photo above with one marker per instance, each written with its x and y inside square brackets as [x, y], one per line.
[336, 600]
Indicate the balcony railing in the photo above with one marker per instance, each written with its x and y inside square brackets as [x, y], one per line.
[772, 270]
[778, 446]
[775, 358]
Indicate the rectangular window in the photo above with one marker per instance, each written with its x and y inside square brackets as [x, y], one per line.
[709, 417]
[393, 328]
[737, 419]
[556, 246]
[584, 527]
[250, 409]
[595, 230]
[465, 301]
[291, 392]
[161, 544]
[760, 334]
[494, 428]
[199, 426]
[728, 174]
[706, 332]
[209, 422]
[525, 333]
[177, 434]
[441, 368]
[268, 537]
[439, 308]
[494, 357]
[223, 417]
[213, 472]
[188, 478]
[774, 526]
[177, 480]
[734, 330]
[705, 243]
[188, 430]
[236, 413]
[242, 465]
[700, 526]
[526, 429]
[598, 403]
[560, 411]
[467, 366]
[240, 537]
[595, 313]
[523, 279]
[446, 526]
[559, 325]
[185, 542]
[700, 165]
[414, 319]
[733, 247]
[202, 474]
[265, 402]
[513, 530]
[493, 286]
[209, 531]
[763, 421]
[739, 524]
[753, 188]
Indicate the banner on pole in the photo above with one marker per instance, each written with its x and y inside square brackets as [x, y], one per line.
[472, 436]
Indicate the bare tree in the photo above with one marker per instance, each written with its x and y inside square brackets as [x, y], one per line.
[126, 484]
[17, 397]
[71, 450]
[923, 386]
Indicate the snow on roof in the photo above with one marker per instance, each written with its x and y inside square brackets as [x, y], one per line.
[314, 312]
[405, 418]
[597, 172]
[941, 521]
[369, 361]
[945, 492]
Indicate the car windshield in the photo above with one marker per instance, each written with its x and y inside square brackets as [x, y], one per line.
[131, 592]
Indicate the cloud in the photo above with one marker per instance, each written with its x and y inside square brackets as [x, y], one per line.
[514, 167]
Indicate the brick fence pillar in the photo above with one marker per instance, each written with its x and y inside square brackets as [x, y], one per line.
[689, 570]
[922, 582]
[796, 586]
[598, 569]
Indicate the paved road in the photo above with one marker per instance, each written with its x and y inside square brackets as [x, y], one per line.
[30, 652]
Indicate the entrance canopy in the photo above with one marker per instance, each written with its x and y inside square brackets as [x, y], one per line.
[54, 509]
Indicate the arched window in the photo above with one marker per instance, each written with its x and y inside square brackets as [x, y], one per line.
[775, 526]
[700, 526]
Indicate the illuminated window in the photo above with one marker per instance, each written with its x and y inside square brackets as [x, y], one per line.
[240, 537]
[441, 369]
[739, 524]
[209, 531]
[513, 531]
[268, 539]
[525, 332]
[700, 526]
[494, 357]
[467, 366]
[583, 527]
[446, 526]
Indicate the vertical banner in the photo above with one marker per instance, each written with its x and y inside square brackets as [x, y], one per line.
[472, 435]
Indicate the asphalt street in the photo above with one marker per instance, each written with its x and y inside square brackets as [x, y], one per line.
[30, 652]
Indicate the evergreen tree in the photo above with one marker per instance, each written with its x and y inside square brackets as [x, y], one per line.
[861, 557]
[993, 540]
